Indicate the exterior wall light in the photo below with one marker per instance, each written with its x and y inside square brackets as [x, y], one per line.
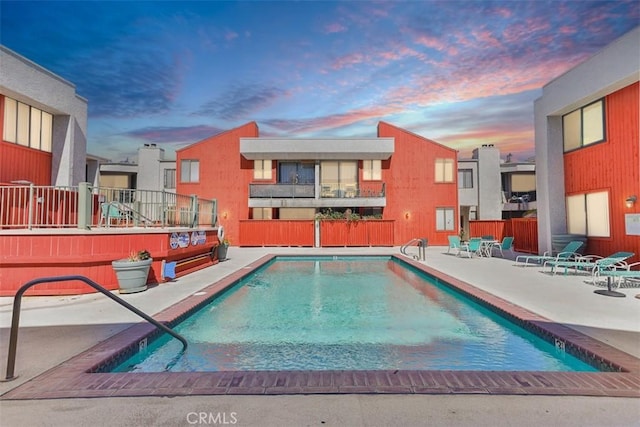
[631, 200]
[406, 215]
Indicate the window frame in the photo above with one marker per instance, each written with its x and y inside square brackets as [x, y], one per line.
[261, 172]
[190, 179]
[445, 210]
[586, 223]
[441, 166]
[461, 180]
[372, 170]
[27, 126]
[581, 141]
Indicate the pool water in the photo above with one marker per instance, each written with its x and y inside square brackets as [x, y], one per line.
[348, 314]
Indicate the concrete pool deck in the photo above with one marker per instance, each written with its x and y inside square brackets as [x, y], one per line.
[54, 329]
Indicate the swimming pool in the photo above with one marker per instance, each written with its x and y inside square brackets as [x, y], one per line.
[348, 313]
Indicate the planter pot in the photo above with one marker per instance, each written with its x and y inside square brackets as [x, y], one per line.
[222, 252]
[132, 275]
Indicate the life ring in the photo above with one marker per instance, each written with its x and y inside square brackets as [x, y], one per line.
[220, 233]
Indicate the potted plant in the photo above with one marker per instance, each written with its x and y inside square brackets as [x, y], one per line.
[222, 249]
[132, 272]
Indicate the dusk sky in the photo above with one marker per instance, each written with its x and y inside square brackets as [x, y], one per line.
[173, 73]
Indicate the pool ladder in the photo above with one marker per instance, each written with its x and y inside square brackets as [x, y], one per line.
[15, 320]
[422, 248]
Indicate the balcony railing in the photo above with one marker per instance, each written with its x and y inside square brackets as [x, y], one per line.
[31, 206]
[281, 191]
[300, 191]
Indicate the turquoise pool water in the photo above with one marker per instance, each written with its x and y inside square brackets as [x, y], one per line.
[348, 314]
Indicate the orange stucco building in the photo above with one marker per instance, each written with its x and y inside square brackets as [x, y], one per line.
[401, 179]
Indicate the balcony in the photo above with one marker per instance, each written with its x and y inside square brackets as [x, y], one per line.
[329, 195]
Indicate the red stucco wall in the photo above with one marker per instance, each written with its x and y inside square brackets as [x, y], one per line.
[411, 186]
[614, 166]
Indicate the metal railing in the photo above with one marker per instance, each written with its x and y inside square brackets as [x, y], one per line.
[281, 191]
[85, 206]
[15, 319]
[364, 189]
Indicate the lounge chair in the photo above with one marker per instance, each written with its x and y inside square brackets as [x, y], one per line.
[471, 247]
[622, 274]
[505, 245]
[454, 243]
[593, 263]
[568, 253]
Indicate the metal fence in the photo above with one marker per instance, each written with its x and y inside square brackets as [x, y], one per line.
[85, 206]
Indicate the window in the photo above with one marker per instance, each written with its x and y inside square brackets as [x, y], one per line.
[338, 178]
[588, 214]
[444, 170]
[465, 178]
[27, 126]
[189, 171]
[583, 126]
[169, 178]
[296, 173]
[444, 219]
[262, 213]
[372, 170]
[262, 169]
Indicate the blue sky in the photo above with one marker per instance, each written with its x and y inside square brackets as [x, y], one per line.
[463, 73]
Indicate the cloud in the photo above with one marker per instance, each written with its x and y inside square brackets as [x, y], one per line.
[329, 122]
[334, 27]
[172, 135]
[241, 102]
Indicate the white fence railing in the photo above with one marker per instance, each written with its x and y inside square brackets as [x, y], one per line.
[31, 206]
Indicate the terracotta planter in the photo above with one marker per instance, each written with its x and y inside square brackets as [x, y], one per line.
[132, 275]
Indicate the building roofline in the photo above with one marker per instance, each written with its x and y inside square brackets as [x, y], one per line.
[41, 69]
[416, 135]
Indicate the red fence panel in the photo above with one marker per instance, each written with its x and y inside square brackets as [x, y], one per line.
[523, 230]
[525, 233]
[356, 233]
[481, 228]
[276, 232]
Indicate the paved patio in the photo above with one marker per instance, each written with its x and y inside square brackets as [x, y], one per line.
[54, 329]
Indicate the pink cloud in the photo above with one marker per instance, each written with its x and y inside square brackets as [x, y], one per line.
[334, 28]
[230, 35]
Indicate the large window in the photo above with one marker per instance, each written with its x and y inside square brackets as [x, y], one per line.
[296, 173]
[465, 178]
[27, 126]
[588, 214]
[169, 178]
[261, 213]
[372, 170]
[262, 169]
[584, 126]
[189, 171]
[338, 179]
[444, 219]
[444, 170]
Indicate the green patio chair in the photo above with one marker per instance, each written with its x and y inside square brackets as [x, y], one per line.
[568, 253]
[505, 245]
[472, 247]
[454, 243]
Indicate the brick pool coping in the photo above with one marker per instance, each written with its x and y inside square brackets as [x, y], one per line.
[79, 377]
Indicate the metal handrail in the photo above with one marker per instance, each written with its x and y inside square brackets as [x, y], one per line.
[422, 244]
[15, 320]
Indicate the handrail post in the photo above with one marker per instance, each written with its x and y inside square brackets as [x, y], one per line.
[30, 209]
[84, 206]
[15, 319]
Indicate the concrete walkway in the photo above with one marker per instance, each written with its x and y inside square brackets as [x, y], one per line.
[53, 329]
